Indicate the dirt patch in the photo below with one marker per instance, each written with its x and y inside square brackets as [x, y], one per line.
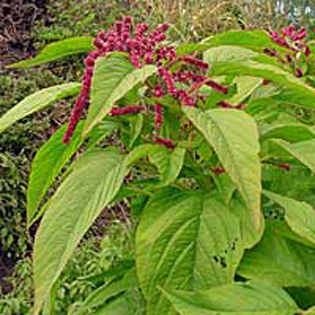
[16, 20]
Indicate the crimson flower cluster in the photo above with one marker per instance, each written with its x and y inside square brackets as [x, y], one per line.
[144, 46]
[293, 39]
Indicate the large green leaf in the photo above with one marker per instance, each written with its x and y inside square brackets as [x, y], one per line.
[295, 90]
[300, 216]
[46, 166]
[57, 50]
[234, 136]
[237, 298]
[37, 101]
[288, 132]
[113, 77]
[185, 240]
[279, 260]
[94, 182]
[169, 163]
[255, 40]
[303, 151]
[228, 54]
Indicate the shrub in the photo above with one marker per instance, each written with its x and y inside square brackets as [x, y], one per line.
[209, 155]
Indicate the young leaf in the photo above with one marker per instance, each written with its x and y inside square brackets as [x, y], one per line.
[46, 166]
[57, 50]
[169, 163]
[139, 152]
[136, 125]
[94, 182]
[279, 260]
[108, 291]
[303, 151]
[113, 77]
[37, 101]
[300, 216]
[245, 87]
[237, 298]
[234, 136]
[185, 240]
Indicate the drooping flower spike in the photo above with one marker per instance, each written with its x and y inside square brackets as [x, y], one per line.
[145, 47]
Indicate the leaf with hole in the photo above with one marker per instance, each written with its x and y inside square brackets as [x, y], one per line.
[185, 240]
[299, 215]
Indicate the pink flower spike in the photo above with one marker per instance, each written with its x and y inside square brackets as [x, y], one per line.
[166, 142]
[216, 86]
[218, 170]
[307, 51]
[89, 61]
[283, 166]
[98, 43]
[162, 28]
[128, 20]
[158, 91]
[118, 111]
[158, 119]
[299, 72]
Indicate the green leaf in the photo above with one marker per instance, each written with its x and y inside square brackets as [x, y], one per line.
[300, 216]
[250, 236]
[169, 163]
[37, 101]
[234, 136]
[139, 152]
[228, 54]
[237, 298]
[47, 165]
[295, 90]
[279, 260]
[256, 40]
[302, 151]
[108, 291]
[128, 303]
[57, 50]
[188, 48]
[113, 77]
[94, 182]
[245, 87]
[185, 240]
[136, 125]
[288, 132]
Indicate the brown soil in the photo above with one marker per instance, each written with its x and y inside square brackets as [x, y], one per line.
[16, 20]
